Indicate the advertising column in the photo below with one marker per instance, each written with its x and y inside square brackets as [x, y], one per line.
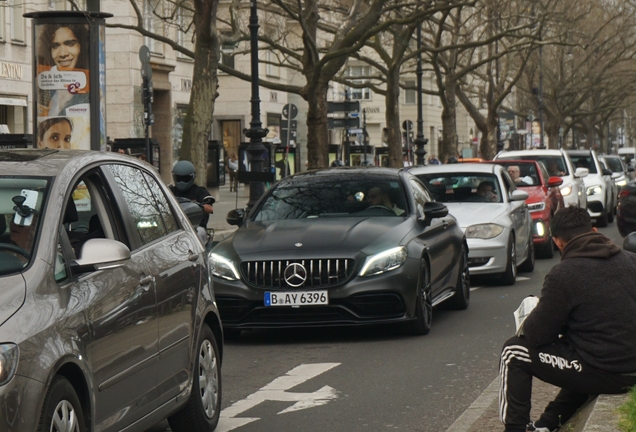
[69, 79]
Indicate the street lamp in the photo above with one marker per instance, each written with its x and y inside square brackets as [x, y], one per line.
[256, 132]
[420, 141]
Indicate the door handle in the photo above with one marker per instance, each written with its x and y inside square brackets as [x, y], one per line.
[145, 282]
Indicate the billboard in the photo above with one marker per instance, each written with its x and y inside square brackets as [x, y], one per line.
[62, 85]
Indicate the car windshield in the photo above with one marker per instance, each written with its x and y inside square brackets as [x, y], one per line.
[555, 165]
[523, 174]
[584, 161]
[463, 187]
[614, 164]
[335, 196]
[21, 200]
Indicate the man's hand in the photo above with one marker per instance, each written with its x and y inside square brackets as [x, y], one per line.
[208, 208]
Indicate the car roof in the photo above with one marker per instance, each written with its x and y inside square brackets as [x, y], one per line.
[353, 171]
[482, 167]
[516, 161]
[510, 153]
[51, 162]
[579, 152]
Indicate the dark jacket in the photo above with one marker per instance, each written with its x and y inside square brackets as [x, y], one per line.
[195, 193]
[590, 299]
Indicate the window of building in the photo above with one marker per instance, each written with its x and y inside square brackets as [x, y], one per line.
[360, 93]
[430, 87]
[18, 21]
[185, 32]
[410, 95]
[272, 69]
[152, 22]
[3, 24]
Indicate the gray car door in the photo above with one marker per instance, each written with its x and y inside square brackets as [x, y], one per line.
[121, 313]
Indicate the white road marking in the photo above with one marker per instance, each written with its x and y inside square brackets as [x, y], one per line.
[276, 391]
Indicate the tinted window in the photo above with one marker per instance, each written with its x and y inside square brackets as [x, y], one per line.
[167, 215]
[614, 164]
[584, 161]
[555, 165]
[462, 187]
[334, 196]
[21, 203]
[528, 173]
[147, 216]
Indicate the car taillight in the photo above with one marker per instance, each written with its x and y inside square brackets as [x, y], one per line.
[624, 193]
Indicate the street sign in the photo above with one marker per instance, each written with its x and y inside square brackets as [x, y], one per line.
[343, 123]
[292, 109]
[407, 125]
[293, 124]
[348, 106]
[292, 138]
[356, 131]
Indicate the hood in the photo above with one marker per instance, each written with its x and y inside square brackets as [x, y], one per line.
[12, 295]
[468, 213]
[535, 194]
[590, 245]
[350, 233]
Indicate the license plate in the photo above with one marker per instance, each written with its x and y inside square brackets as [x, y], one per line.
[296, 298]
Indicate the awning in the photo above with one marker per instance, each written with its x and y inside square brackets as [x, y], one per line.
[12, 101]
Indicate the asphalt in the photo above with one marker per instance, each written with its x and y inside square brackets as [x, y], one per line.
[599, 414]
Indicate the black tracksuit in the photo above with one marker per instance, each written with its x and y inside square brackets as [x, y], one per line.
[580, 337]
[194, 193]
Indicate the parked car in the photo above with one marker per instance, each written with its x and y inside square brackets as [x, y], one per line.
[342, 246]
[599, 186]
[621, 173]
[498, 227]
[626, 210]
[107, 315]
[557, 163]
[544, 199]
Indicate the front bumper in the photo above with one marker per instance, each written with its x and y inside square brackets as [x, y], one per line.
[385, 298]
[540, 228]
[595, 205]
[488, 256]
[19, 404]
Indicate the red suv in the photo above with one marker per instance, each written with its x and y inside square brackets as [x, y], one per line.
[544, 198]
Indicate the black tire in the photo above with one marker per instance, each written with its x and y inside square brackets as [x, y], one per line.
[546, 250]
[611, 213]
[421, 325]
[62, 410]
[528, 264]
[601, 221]
[509, 276]
[201, 412]
[461, 299]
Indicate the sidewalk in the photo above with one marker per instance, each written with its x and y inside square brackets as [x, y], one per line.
[598, 415]
[226, 201]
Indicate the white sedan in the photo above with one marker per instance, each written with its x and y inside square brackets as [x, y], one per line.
[490, 210]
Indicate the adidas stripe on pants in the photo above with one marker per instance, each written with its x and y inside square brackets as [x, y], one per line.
[556, 364]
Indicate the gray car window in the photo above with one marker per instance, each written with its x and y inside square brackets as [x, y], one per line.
[143, 207]
[162, 204]
[420, 195]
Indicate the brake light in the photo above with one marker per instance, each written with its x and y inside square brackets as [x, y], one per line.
[624, 193]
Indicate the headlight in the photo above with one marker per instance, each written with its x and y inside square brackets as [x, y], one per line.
[594, 190]
[621, 183]
[9, 355]
[566, 190]
[384, 261]
[484, 231]
[535, 207]
[223, 267]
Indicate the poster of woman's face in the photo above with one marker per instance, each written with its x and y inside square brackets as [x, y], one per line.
[62, 85]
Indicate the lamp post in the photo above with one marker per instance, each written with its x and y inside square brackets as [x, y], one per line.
[256, 132]
[420, 141]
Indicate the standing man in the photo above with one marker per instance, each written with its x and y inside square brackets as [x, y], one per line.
[183, 175]
[580, 336]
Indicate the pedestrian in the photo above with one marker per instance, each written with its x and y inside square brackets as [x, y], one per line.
[580, 336]
[232, 169]
[183, 175]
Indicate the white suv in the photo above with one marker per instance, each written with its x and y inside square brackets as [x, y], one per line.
[558, 163]
[600, 199]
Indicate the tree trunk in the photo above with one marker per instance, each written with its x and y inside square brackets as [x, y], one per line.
[317, 135]
[198, 119]
[449, 123]
[488, 144]
[394, 138]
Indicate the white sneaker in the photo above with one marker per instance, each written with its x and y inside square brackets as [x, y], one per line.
[530, 427]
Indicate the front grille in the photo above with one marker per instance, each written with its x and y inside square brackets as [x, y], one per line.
[320, 273]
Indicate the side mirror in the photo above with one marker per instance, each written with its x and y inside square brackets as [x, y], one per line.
[433, 210]
[581, 172]
[631, 169]
[235, 217]
[629, 244]
[606, 172]
[518, 195]
[616, 175]
[192, 210]
[555, 181]
[101, 254]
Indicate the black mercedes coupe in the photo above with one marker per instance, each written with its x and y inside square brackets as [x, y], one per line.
[341, 246]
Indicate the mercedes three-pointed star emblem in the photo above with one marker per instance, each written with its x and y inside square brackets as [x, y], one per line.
[295, 275]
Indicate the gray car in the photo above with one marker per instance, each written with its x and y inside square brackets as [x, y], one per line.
[107, 313]
[490, 210]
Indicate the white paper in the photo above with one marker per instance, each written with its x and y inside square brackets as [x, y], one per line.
[523, 311]
[30, 201]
